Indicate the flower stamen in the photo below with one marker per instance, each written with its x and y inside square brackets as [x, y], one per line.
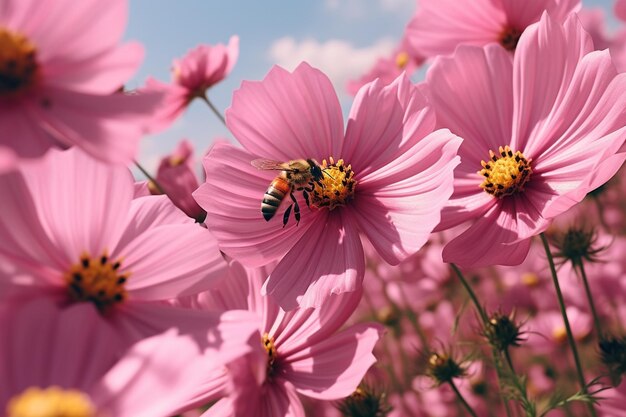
[97, 280]
[402, 59]
[336, 188]
[268, 344]
[50, 402]
[509, 38]
[505, 173]
[18, 65]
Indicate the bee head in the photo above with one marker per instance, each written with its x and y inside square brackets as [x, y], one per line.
[316, 170]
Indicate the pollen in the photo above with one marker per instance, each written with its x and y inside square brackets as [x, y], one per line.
[176, 160]
[336, 188]
[505, 173]
[559, 334]
[97, 280]
[509, 37]
[402, 60]
[268, 344]
[18, 64]
[50, 402]
[530, 279]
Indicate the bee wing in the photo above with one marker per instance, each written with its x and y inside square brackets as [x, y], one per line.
[268, 164]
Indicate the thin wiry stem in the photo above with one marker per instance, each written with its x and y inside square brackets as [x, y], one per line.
[484, 319]
[568, 329]
[214, 109]
[149, 177]
[463, 401]
[507, 356]
[471, 293]
[592, 305]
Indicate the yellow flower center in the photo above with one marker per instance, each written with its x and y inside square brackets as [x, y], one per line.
[530, 279]
[50, 402]
[559, 334]
[336, 188]
[402, 59]
[176, 160]
[505, 173]
[18, 64]
[268, 344]
[97, 280]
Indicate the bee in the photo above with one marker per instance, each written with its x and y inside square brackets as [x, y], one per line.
[296, 175]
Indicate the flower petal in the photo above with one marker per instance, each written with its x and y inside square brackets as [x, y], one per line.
[153, 378]
[472, 94]
[328, 259]
[545, 61]
[108, 127]
[440, 25]
[148, 212]
[334, 368]
[170, 261]
[288, 115]
[15, 124]
[43, 345]
[81, 203]
[398, 206]
[488, 241]
[303, 327]
[384, 123]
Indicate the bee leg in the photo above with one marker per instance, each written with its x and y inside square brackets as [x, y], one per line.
[296, 208]
[306, 199]
[286, 215]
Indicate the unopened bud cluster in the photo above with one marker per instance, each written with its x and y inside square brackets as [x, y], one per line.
[502, 332]
[365, 401]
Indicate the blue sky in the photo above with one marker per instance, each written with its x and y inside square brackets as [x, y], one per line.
[339, 36]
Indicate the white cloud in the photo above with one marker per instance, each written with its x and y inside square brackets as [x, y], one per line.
[359, 8]
[338, 59]
[398, 5]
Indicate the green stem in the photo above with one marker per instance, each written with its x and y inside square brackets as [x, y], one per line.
[592, 305]
[472, 294]
[568, 329]
[460, 397]
[507, 356]
[485, 319]
[389, 368]
[149, 177]
[213, 108]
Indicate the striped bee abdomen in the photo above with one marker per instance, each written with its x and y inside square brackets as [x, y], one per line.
[274, 195]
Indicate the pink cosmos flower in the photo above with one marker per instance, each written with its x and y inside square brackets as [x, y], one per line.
[176, 175]
[593, 21]
[58, 89]
[299, 352]
[546, 331]
[72, 232]
[388, 68]
[540, 131]
[53, 360]
[440, 25]
[620, 9]
[613, 401]
[386, 177]
[202, 68]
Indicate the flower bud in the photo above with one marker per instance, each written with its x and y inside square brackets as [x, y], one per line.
[503, 332]
[613, 355]
[365, 401]
[442, 368]
[577, 244]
